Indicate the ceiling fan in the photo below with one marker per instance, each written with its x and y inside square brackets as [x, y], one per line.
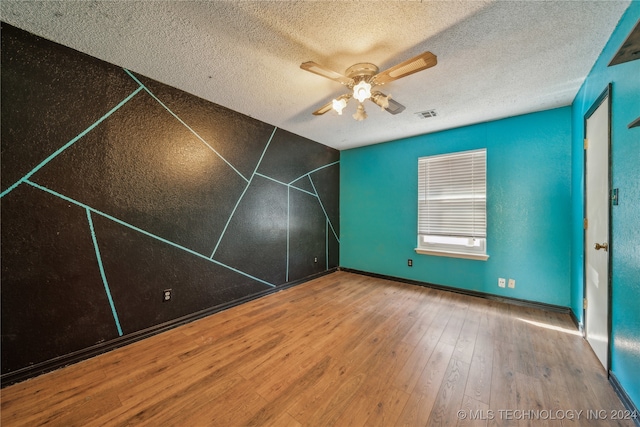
[363, 77]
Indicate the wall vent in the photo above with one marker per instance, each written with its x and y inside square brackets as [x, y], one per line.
[426, 114]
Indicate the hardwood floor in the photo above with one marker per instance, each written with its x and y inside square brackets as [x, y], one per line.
[343, 350]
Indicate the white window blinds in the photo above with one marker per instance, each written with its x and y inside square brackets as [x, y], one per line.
[452, 197]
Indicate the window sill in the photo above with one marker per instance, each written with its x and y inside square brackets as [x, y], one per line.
[479, 257]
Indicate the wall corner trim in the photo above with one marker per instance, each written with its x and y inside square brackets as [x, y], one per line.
[507, 300]
[576, 322]
[624, 397]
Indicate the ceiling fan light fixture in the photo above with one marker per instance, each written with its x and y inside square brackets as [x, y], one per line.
[362, 91]
[360, 114]
[339, 104]
[381, 100]
[362, 77]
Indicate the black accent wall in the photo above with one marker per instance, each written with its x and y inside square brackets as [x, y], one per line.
[116, 187]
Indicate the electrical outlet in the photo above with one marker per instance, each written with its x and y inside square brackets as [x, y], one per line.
[315, 259]
[512, 283]
[166, 295]
[501, 282]
[410, 262]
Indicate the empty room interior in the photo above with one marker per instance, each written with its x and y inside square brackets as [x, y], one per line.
[321, 213]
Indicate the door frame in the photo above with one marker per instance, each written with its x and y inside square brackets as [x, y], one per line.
[605, 95]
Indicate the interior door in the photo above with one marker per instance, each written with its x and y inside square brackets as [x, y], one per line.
[596, 234]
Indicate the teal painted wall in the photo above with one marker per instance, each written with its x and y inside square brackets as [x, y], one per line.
[625, 251]
[528, 208]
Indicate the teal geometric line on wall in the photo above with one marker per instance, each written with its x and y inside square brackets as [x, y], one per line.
[288, 185]
[70, 143]
[317, 196]
[326, 243]
[323, 209]
[315, 170]
[308, 175]
[133, 227]
[288, 217]
[298, 185]
[142, 86]
[102, 273]
[89, 209]
[224, 230]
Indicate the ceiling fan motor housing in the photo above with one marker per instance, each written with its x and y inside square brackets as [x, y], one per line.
[362, 71]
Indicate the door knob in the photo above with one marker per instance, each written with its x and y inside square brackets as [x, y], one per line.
[604, 246]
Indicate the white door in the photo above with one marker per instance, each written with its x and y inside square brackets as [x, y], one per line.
[596, 238]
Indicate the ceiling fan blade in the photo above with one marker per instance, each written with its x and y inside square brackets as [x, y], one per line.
[385, 102]
[325, 72]
[329, 106]
[421, 62]
[395, 107]
[325, 108]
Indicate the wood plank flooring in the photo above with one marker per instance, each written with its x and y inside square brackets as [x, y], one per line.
[341, 350]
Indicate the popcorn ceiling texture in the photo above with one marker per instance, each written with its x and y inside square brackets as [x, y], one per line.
[495, 58]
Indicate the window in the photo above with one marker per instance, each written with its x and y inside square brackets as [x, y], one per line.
[452, 214]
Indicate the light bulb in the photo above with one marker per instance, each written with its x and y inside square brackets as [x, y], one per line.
[383, 101]
[360, 114]
[339, 104]
[362, 91]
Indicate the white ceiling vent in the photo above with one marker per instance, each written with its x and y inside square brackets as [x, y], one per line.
[426, 114]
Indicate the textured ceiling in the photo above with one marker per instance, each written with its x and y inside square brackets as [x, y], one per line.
[495, 58]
